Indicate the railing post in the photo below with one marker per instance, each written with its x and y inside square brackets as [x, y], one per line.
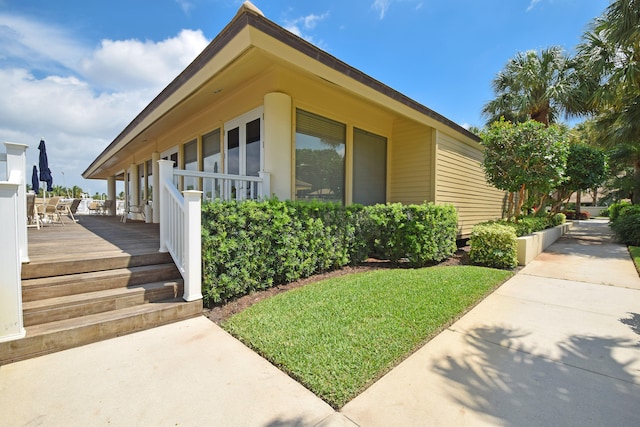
[13, 228]
[165, 168]
[17, 163]
[192, 245]
[265, 186]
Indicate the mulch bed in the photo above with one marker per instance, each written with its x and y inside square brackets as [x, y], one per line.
[220, 313]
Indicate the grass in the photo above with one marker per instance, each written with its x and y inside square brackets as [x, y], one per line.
[635, 255]
[339, 335]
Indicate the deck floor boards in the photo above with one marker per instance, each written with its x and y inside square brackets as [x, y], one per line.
[92, 236]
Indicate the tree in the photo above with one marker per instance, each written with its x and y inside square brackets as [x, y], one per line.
[586, 169]
[608, 66]
[533, 85]
[524, 156]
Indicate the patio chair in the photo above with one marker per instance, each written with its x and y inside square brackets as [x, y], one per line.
[69, 208]
[95, 207]
[33, 219]
[106, 207]
[50, 211]
[133, 209]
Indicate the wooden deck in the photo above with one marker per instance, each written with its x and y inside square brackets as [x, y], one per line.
[91, 237]
[93, 280]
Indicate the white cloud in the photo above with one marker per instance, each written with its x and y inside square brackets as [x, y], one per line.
[130, 64]
[76, 96]
[300, 26]
[185, 5]
[38, 44]
[532, 4]
[382, 6]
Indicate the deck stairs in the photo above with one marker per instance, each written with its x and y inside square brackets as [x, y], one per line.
[69, 303]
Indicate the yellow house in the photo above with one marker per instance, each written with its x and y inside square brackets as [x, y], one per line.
[263, 104]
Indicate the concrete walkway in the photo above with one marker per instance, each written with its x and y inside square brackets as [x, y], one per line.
[558, 344]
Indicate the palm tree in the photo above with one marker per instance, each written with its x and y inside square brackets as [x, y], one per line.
[608, 65]
[533, 85]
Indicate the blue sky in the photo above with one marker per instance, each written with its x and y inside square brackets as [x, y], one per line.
[77, 72]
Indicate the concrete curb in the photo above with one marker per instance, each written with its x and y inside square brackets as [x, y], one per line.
[534, 244]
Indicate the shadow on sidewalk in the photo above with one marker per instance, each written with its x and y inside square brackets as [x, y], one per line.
[633, 322]
[504, 380]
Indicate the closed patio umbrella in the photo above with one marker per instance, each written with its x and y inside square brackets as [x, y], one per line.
[45, 172]
[35, 182]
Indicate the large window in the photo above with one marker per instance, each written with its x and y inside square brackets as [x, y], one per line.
[191, 164]
[369, 168]
[141, 194]
[320, 151]
[211, 162]
[148, 180]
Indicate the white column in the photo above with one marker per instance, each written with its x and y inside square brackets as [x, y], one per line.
[13, 250]
[277, 142]
[165, 172]
[111, 194]
[134, 184]
[17, 163]
[192, 245]
[155, 206]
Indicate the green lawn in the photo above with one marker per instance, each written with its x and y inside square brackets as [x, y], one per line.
[635, 255]
[338, 336]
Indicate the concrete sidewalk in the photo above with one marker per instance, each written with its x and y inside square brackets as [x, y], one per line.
[558, 344]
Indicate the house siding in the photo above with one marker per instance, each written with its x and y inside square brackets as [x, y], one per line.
[410, 163]
[461, 182]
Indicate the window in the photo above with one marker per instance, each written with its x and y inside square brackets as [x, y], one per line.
[140, 184]
[320, 164]
[369, 168]
[211, 163]
[149, 180]
[211, 152]
[191, 164]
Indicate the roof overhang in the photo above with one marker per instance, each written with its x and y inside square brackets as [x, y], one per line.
[246, 47]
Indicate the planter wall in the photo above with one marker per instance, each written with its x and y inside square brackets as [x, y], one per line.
[531, 246]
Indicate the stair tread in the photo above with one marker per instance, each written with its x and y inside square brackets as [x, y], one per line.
[93, 319]
[79, 277]
[97, 295]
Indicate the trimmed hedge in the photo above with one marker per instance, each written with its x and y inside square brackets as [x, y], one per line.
[626, 225]
[494, 245]
[419, 234]
[531, 224]
[253, 245]
[614, 210]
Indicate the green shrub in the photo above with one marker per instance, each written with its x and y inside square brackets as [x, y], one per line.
[420, 234]
[614, 210]
[494, 245]
[528, 225]
[253, 245]
[557, 219]
[627, 225]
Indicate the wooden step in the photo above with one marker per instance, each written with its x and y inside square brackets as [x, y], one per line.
[64, 334]
[76, 305]
[91, 263]
[58, 286]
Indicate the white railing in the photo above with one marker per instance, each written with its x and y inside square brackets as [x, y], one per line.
[180, 214]
[13, 229]
[180, 221]
[219, 186]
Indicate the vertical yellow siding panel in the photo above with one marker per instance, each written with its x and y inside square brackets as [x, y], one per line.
[461, 182]
[410, 163]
